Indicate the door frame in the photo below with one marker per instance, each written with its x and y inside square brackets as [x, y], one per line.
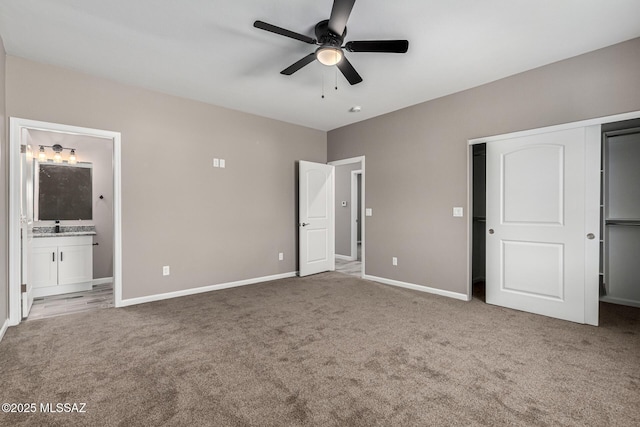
[590, 294]
[348, 161]
[16, 127]
[354, 213]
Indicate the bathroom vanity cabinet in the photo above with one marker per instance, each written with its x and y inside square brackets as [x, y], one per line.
[61, 264]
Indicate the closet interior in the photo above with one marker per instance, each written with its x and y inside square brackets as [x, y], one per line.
[620, 213]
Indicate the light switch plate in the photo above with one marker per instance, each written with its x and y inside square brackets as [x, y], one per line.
[457, 212]
[165, 270]
[223, 163]
[368, 212]
[216, 163]
[394, 261]
[280, 256]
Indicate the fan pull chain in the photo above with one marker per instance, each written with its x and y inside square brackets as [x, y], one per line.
[336, 77]
[322, 84]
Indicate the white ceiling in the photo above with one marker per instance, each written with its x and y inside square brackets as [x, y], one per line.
[208, 50]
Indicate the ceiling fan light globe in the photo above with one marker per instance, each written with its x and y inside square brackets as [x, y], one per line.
[329, 55]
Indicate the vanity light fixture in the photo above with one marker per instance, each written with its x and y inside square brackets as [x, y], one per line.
[42, 156]
[57, 156]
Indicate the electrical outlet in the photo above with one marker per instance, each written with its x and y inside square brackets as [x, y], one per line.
[165, 270]
[394, 261]
[458, 212]
[280, 256]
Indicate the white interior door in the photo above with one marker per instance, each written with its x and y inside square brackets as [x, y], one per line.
[542, 224]
[316, 216]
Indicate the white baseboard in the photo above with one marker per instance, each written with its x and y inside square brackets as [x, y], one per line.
[344, 257]
[5, 325]
[415, 287]
[620, 301]
[193, 291]
[102, 281]
[61, 289]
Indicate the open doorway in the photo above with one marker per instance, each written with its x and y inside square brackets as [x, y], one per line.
[64, 222]
[349, 202]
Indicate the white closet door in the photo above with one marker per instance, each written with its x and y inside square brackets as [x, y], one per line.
[537, 228]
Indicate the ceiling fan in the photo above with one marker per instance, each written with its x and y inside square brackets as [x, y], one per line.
[330, 35]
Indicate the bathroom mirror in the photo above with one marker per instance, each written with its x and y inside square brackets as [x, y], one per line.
[63, 191]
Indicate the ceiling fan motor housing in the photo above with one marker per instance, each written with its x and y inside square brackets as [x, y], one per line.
[326, 37]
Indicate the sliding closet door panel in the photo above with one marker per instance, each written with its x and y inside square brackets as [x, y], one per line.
[536, 223]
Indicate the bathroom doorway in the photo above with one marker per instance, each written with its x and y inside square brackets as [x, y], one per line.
[64, 219]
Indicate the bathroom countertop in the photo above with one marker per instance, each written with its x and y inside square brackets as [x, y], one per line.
[65, 234]
[65, 231]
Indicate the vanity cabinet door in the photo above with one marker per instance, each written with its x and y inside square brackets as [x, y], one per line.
[44, 271]
[75, 264]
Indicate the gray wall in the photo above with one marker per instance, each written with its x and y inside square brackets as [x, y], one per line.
[99, 152]
[4, 195]
[417, 157]
[343, 214]
[210, 225]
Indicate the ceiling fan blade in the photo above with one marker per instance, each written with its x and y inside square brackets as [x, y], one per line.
[295, 67]
[348, 71]
[340, 15]
[283, 32]
[388, 46]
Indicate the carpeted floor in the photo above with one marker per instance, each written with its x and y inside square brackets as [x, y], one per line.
[330, 349]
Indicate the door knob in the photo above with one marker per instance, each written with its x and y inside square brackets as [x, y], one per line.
[304, 224]
[591, 236]
[491, 231]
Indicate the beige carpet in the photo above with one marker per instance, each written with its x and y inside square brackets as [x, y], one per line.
[326, 350]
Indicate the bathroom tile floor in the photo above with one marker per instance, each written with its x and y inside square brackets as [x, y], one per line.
[352, 268]
[101, 296]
